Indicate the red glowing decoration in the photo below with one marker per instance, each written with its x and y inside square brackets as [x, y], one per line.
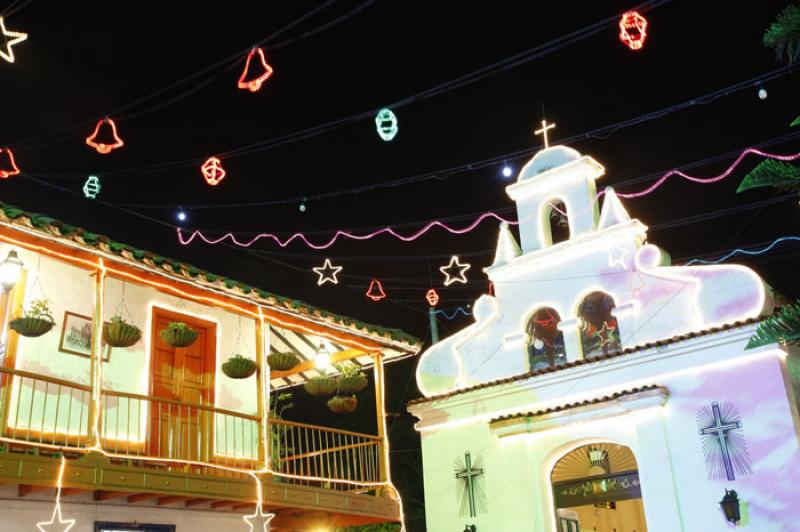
[375, 291]
[491, 288]
[213, 171]
[102, 147]
[433, 297]
[8, 168]
[254, 85]
[633, 30]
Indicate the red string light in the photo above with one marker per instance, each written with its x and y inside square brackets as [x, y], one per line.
[633, 30]
[101, 147]
[12, 168]
[254, 85]
[433, 297]
[213, 171]
[375, 291]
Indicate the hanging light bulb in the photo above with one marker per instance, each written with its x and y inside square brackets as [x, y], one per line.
[182, 216]
[302, 207]
[507, 171]
[762, 92]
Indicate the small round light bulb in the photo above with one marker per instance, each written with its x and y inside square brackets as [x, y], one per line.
[182, 216]
[762, 93]
[507, 171]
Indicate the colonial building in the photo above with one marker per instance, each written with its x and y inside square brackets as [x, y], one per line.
[158, 435]
[602, 389]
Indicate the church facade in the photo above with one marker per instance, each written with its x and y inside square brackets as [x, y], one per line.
[603, 389]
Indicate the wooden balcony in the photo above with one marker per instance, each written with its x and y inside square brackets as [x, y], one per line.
[160, 451]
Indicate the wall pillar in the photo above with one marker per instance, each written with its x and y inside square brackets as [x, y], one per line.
[96, 359]
[380, 412]
[262, 390]
[572, 338]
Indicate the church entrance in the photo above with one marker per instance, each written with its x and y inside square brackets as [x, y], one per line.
[596, 489]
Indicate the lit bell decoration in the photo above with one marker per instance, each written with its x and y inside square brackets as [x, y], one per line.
[633, 30]
[213, 171]
[107, 129]
[433, 297]
[254, 84]
[92, 187]
[8, 166]
[375, 291]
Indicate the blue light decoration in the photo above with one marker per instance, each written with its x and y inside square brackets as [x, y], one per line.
[386, 124]
[92, 187]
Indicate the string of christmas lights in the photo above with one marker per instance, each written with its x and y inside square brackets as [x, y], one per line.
[340, 234]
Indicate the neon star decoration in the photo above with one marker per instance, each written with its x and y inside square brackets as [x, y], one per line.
[254, 85]
[57, 523]
[10, 168]
[11, 38]
[433, 297]
[386, 124]
[633, 30]
[455, 272]
[213, 171]
[375, 291]
[102, 147]
[92, 187]
[327, 273]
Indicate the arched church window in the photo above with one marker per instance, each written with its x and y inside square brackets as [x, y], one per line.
[545, 342]
[556, 221]
[599, 330]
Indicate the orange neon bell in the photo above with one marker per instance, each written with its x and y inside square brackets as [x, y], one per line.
[254, 85]
[375, 291]
[8, 166]
[110, 131]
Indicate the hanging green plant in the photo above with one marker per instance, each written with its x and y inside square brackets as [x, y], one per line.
[783, 327]
[351, 379]
[239, 367]
[283, 361]
[35, 321]
[178, 334]
[343, 404]
[322, 385]
[120, 333]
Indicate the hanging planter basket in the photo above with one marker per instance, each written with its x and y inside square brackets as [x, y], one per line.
[120, 334]
[351, 384]
[342, 404]
[31, 327]
[178, 335]
[321, 386]
[282, 361]
[239, 367]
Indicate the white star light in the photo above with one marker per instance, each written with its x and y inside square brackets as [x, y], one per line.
[52, 525]
[455, 277]
[11, 38]
[327, 273]
[259, 517]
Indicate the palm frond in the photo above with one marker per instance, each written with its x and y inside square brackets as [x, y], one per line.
[783, 327]
[796, 121]
[772, 173]
[783, 35]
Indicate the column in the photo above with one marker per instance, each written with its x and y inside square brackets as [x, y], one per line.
[96, 360]
[572, 338]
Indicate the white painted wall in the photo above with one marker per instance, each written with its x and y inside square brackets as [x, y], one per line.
[676, 492]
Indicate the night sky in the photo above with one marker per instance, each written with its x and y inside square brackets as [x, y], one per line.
[85, 60]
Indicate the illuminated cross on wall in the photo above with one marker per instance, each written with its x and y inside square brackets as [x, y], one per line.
[468, 474]
[545, 128]
[720, 431]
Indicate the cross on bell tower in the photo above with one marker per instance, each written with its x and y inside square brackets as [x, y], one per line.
[543, 131]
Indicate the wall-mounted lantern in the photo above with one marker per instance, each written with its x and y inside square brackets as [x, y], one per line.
[10, 271]
[470, 528]
[730, 506]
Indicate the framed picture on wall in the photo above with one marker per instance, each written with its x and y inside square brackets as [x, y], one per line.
[76, 336]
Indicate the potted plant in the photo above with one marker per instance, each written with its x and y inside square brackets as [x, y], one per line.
[120, 333]
[239, 367]
[178, 334]
[343, 404]
[351, 379]
[283, 361]
[322, 385]
[35, 321]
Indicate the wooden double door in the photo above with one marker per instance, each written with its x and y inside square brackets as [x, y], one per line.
[182, 390]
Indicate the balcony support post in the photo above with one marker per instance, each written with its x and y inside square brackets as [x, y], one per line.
[380, 410]
[96, 359]
[12, 306]
[262, 391]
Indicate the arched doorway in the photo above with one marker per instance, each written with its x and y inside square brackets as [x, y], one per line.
[596, 489]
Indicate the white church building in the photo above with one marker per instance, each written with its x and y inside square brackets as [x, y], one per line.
[601, 389]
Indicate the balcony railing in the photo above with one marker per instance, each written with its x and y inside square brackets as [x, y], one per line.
[325, 453]
[45, 410]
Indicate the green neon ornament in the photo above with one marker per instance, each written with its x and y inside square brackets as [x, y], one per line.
[92, 187]
[386, 124]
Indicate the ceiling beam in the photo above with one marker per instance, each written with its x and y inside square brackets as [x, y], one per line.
[172, 499]
[222, 504]
[103, 495]
[196, 502]
[138, 497]
[26, 489]
[73, 491]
